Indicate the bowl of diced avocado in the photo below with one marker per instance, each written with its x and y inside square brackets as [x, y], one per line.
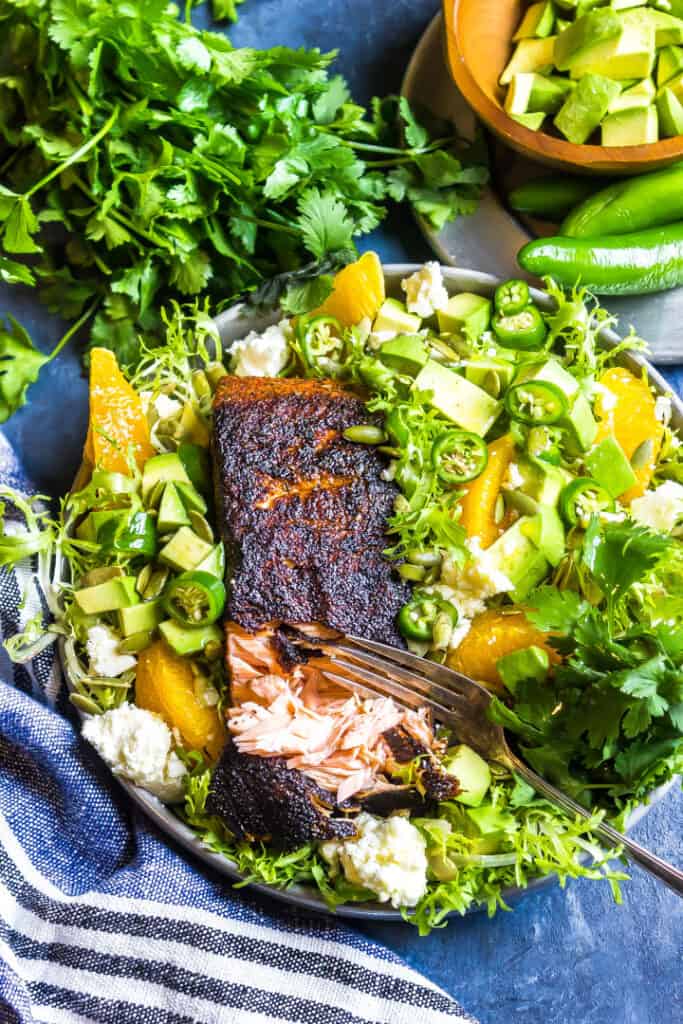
[595, 85]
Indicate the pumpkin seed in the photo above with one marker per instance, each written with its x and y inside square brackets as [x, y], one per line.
[365, 433]
[135, 642]
[144, 577]
[122, 683]
[414, 573]
[200, 383]
[424, 556]
[201, 526]
[86, 704]
[154, 496]
[101, 575]
[499, 509]
[156, 584]
[642, 456]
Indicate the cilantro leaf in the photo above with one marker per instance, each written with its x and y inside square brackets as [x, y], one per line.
[20, 364]
[621, 554]
[302, 298]
[555, 611]
[324, 223]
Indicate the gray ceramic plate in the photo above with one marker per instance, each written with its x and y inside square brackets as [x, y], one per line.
[234, 324]
[491, 237]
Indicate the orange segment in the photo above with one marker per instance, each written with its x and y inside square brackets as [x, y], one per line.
[115, 411]
[493, 634]
[358, 291]
[478, 505]
[630, 418]
[164, 683]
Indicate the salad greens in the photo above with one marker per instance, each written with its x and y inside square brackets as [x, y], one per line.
[143, 159]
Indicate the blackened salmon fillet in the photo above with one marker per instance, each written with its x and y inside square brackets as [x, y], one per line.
[302, 511]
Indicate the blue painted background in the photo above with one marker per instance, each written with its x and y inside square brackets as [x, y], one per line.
[568, 957]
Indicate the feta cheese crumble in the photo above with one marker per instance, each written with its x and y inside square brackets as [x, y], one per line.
[425, 291]
[262, 355]
[661, 510]
[166, 407]
[102, 650]
[469, 587]
[388, 857]
[138, 745]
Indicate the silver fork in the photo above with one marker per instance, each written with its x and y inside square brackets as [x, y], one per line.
[460, 703]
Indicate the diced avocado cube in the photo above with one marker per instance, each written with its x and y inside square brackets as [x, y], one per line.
[471, 771]
[493, 375]
[393, 316]
[191, 498]
[406, 353]
[551, 371]
[580, 424]
[542, 481]
[516, 556]
[607, 464]
[640, 95]
[195, 459]
[491, 821]
[531, 663]
[546, 530]
[140, 618]
[530, 55]
[167, 468]
[670, 112]
[629, 55]
[458, 399]
[214, 563]
[586, 33]
[675, 86]
[585, 107]
[465, 313]
[538, 22]
[669, 64]
[172, 512]
[532, 93]
[531, 121]
[107, 597]
[188, 640]
[624, 5]
[185, 550]
[635, 127]
[668, 30]
[90, 526]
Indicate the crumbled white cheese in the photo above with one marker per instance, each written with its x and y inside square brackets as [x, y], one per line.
[663, 409]
[262, 355]
[661, 510]
[165, 407]
[388, 857]
[138, 745]
[102, 649]
[608, 399]
[469, 587]
[377, 338]
[459, 632]
[425, 291]
[513, 478]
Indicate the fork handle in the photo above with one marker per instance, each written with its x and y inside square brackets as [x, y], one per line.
[666, 873]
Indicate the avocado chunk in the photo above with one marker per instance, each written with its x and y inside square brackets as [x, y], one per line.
[585, 107]
[630, 55]
[607, 464]
[538, 22]
[471, 771]
[406, 353]
[191, 498]
[466, 313]
[635, 127]
[140, 618]
[531, 121]
[458, 399]
[530, 55]
[195, 459]
[189, 639]
[493, 375]
[580, 424]
[532, 93]
[172, 512]
[516, 556]
[553, 372]
[642, 94]
[670, 112]
[587, 33]
[668, 30]
[546, 530]
[393, 316]
[88, 529]
[542, 481]
[214, 563]
[167, 468]
[185, 550]
[669, 64]
[531, 663]
[108, 596]
[624, 5]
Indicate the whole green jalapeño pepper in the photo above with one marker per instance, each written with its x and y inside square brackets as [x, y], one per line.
[524, 330]
[195, 598]
[632, 204]
[459, 456]
[129, 535]
[416, 618]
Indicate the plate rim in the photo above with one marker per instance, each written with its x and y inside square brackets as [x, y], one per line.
[230, 324]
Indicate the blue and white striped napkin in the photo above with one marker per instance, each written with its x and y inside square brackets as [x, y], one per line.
[102, 920]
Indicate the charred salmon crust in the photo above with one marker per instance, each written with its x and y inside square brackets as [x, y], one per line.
[260, 798]
[302, 511]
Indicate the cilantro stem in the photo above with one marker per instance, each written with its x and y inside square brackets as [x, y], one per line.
[76, 155]
[267, 224]
[156, 240]
[369, 147]
[66, 338]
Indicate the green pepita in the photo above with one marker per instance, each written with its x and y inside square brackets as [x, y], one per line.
[85, 704]
[144, 577]
[424, 556]
[201, 526]
[154, 496]
[135, 642]
[414, 573]
[642, 456]
[156, 584]
[365, 433]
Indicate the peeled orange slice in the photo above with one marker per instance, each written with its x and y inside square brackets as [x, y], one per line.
[358, 291]
[629, 416]
[117, 418]
[493, 634]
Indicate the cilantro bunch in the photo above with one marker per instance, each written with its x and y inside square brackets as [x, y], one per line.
[143, 160]
[608, 726]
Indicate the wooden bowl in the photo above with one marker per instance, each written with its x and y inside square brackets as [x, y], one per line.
[478, 46]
